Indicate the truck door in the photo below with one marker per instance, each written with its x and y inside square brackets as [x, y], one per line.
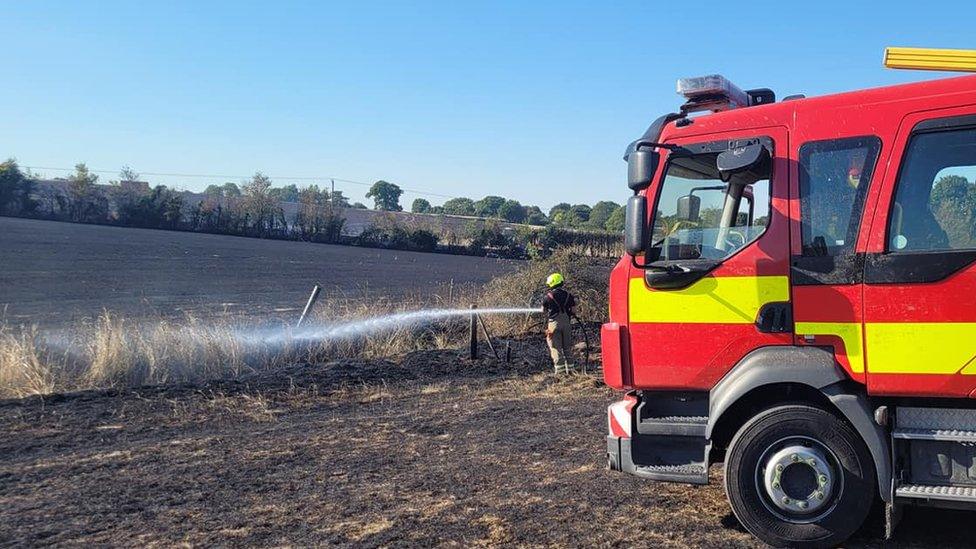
[717, 282]
[833, 179]
[920, 266]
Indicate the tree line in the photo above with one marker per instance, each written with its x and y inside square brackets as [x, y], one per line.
[251, 209]
[254, 208]
[602, 216]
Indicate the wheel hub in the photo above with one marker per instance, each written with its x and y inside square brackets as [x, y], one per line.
[798, 479]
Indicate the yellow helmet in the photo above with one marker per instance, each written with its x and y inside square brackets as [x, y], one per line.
[553, 280]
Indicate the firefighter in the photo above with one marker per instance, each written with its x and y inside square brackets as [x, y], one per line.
[834, 195]
[558, 306]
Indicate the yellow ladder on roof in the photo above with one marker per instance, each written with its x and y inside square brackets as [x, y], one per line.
[930, 59]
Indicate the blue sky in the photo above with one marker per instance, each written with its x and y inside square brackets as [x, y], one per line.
[535, 102]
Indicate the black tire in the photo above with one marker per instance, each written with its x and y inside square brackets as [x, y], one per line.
[843, 511]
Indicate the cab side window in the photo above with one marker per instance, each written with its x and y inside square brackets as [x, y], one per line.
[834, 177]
[934, 208]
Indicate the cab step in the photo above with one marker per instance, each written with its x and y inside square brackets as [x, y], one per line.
[673, 413]
[687, 426]
[964, 494]
[691, 474]
[669, 442]
[934, 456]
[914, 417]
[945, 435]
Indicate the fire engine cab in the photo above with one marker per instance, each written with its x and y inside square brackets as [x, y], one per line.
[798, 301]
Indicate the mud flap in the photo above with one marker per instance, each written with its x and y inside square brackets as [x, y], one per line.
[892, 518]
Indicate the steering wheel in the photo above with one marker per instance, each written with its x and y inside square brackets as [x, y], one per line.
[735, 235]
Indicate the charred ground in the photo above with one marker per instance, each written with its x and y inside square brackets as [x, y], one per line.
[430, 449]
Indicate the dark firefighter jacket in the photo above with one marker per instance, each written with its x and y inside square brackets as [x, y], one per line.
[558, 301]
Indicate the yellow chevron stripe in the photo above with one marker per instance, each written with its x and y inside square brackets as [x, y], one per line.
[922, 347]
[711, 300]
[848, 332]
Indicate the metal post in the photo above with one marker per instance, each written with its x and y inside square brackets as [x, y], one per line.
[308, 306]
[484, 329]
[473, 332]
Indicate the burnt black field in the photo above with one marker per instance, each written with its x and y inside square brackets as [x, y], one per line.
[53, 273]
[430, 449]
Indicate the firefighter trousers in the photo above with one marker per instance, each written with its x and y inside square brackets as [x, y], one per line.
[560, 341]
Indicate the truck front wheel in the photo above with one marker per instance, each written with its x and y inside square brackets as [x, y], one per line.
[799, 476]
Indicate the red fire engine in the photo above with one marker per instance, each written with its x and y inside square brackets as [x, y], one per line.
[798, 301]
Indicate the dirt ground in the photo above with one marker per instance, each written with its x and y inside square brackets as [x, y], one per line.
[55, 273]
[432, 449]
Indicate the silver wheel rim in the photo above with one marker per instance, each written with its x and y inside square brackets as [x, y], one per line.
[799, 479]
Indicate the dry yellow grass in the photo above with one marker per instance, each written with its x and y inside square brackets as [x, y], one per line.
[111, 351]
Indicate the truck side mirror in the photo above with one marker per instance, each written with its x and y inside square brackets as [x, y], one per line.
[641, 165]
[689, 207]
[740, 159]
[635, 225]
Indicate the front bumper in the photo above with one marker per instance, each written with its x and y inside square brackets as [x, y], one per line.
[620, 425]
[663, 456]
[614, 462]
[620, 458]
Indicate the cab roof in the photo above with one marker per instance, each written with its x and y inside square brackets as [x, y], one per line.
[786, 113]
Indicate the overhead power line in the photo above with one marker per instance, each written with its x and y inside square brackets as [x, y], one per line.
[224, 176]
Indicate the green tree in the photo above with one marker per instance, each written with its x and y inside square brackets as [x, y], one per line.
[615, 223]
[577, 215]
[534, 216]
[420, 205]
[386, 196]
[15, 189]
[317, 219]
[262, 210]
[953, 203]
[128, 174]
[86, 204]
[162, 208]
[339, 200]
[562, 207]
[488, 206]
[459, 206]
[83, 176]
[231, 190]
[216, 191]
[359, 206]
[601, 213]
[512, 211]
[288, 193]
[422, 240]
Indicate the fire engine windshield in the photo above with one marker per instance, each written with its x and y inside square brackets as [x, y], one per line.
[699, 216]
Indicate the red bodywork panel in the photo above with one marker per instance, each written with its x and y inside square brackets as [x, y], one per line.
[614, 348]
[829, 304]
[614, 342]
